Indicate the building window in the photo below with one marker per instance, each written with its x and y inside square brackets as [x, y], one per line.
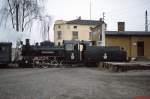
[68, 27]
[75, 27]
[90, 27]
[59, 43]
[59, 35]
[90, 35]
[69, 47]
[100, 36]
[74, 35]
[94, 33]
[59, 26]
[2, 48]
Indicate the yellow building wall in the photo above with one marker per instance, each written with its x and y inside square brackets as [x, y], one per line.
[119, 41]
[146, 45]
[60, 23]
[83, 32]
[67, 29]
[129, 43]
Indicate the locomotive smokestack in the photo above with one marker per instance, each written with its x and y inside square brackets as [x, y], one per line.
[27, 41]
[146, 22]
[121, 26]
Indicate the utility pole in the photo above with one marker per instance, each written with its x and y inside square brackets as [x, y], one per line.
[90, 9]
[17, 17]
[48, 32]
[103, 16]
[103, 28]
[146, 22]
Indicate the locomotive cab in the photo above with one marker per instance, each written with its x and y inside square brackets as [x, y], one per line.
[74, 51]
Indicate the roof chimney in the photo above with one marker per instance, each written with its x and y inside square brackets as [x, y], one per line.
[121, 26]
[100, 19]
[79, 18]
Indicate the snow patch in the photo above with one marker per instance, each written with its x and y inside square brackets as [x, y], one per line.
[10, 35]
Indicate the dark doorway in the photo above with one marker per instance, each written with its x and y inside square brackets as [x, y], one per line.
[140, 48]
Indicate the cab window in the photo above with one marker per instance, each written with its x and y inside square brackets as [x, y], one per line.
[2, 48]
[69, 47]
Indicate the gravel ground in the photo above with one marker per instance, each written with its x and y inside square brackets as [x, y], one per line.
[72, 83]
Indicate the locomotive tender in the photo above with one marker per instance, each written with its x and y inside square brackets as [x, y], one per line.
[5, 53]
[46, 54]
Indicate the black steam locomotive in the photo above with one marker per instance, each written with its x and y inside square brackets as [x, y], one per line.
[46, 54]
[72, 52]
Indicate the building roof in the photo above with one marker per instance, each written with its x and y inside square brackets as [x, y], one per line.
[127, 33]
[84, 22]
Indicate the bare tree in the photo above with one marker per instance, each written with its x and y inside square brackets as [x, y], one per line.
[21, 13]
[45, 27]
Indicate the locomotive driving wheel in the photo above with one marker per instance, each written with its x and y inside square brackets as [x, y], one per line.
[54, 63]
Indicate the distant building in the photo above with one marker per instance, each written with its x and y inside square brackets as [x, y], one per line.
[97, 35]
[136, 43]
[77, 29]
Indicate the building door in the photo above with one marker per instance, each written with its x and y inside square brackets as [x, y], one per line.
[140, 48]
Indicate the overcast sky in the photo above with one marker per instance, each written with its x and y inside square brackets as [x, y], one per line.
[130, 11]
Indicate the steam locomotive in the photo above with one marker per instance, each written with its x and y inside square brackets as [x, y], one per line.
[46, 54]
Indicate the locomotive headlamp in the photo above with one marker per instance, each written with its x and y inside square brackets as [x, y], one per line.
[105, 56]
[72, 56]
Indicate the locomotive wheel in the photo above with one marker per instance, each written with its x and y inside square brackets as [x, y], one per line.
[45, 66]
[61, 63]
[54, 63]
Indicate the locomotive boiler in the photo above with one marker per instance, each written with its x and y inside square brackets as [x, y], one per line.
[43, 55]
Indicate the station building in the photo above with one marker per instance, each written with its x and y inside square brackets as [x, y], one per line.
[136, 43]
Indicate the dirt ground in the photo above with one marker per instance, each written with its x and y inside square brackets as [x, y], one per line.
[72, 83]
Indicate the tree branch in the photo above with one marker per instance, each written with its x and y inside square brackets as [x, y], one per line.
[23, 11]
[10, 10]
[27, 22]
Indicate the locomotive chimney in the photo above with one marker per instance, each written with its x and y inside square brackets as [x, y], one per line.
[121, 26]
[28, 42]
